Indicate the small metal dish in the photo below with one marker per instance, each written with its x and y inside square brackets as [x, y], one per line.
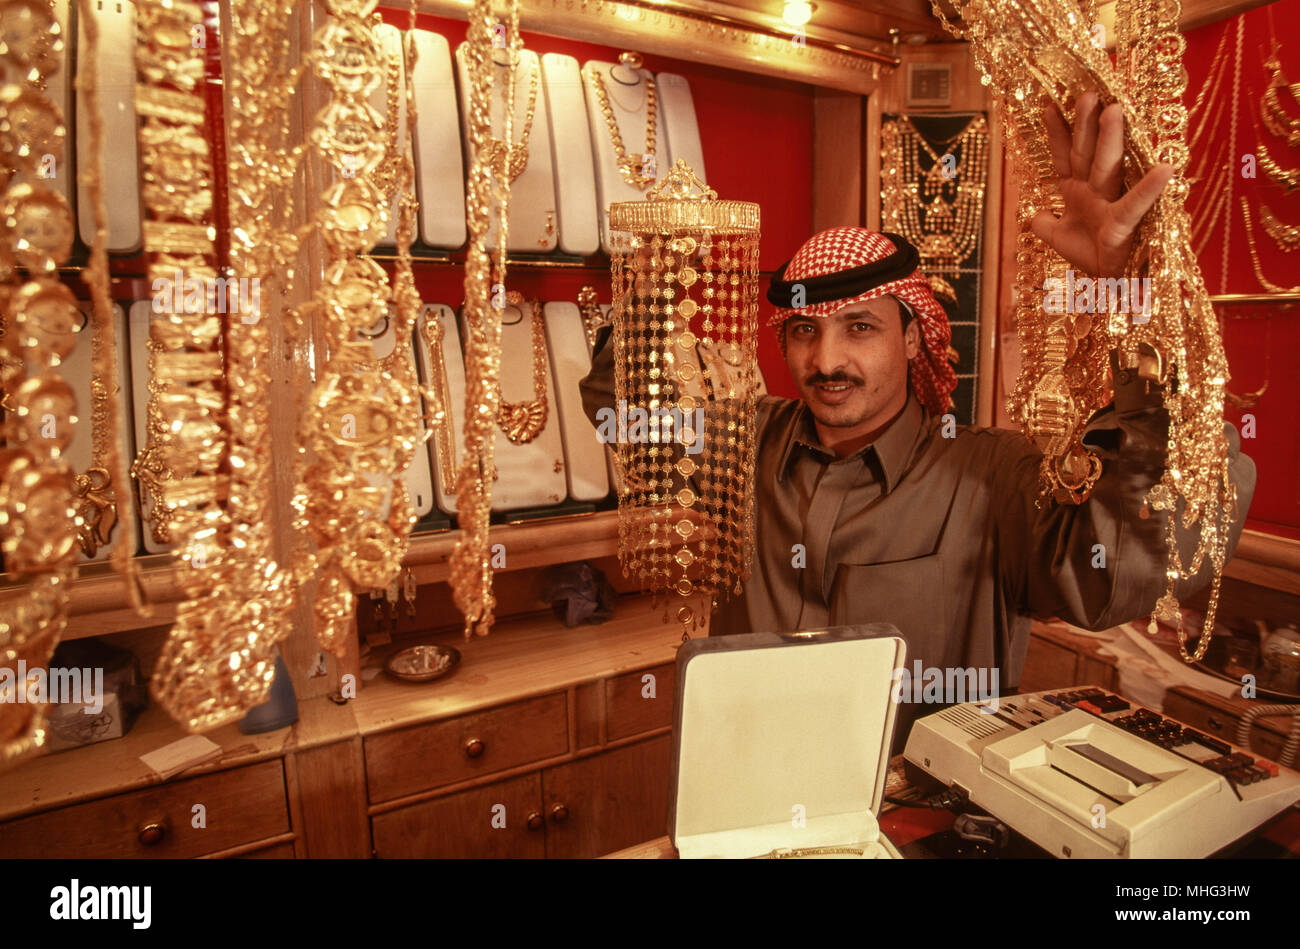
[422, 663]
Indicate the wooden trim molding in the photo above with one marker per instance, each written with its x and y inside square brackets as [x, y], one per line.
[698, 37]
[1266, 560]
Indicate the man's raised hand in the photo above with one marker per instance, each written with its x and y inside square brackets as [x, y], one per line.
[1096, 232]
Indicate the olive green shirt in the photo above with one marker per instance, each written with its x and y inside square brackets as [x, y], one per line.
[942, 537]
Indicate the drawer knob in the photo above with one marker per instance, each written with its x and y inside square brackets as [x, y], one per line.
[152, 833]
[1214, 723]
[535, 821]
[559, 813]
[474, 748]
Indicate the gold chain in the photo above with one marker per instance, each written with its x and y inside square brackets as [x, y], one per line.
[524, 421]
[592, 317]
[512, 157]
[1254, 255]
[639, 171]
[38, 531]
[1286, 236]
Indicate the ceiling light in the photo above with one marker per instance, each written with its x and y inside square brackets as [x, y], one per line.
[798, 12]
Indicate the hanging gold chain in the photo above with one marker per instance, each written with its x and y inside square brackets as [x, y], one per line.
[637, 170]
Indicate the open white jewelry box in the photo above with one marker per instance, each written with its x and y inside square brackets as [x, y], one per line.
[781, 743]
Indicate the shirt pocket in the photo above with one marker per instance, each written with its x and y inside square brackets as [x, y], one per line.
[905, 593]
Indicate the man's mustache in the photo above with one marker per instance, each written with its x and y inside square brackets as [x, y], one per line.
[820, 379]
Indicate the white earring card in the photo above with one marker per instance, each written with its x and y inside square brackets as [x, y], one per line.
[533, 206]
[584, 454]
[116, 84]
[575, 178]
[439, 169]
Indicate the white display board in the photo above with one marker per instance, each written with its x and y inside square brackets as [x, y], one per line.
[584, 454]
[116, 85]
[439, 169]
[575, 179]
[533, 206]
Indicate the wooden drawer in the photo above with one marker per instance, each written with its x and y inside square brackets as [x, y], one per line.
[468, 825]
[241, 806]
[628, 710]
[1265, 738]
[431, 756]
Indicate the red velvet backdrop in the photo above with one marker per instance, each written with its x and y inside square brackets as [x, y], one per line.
[1262, 340]
[757, 138]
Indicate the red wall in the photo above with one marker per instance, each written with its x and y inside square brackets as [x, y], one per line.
[1262, 340]
[757, 139]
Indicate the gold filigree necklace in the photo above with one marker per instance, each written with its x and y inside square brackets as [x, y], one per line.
[524, 421]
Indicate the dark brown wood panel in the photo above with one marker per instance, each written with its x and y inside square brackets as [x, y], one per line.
[461, 825]
[613, 800]
[331, 786]
[241, 806]
[628, 710]
[430, 756]
[1047, 666]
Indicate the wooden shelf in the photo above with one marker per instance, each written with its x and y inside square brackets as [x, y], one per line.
[521, 658]
[1267, 561]
[536, 544]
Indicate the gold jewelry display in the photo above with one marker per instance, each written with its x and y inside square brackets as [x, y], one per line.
[1031, 49]
[509, 157]
[1214, 158]
[488, 190]
[637, 170]
[1286, 236]
[38, 519]
[1275, 118]
[685, 270]
[1288, 179]
[437, 396]
[359, 426]
[1264, 282]
[592, 317]
[939, 208]
[524, 421]
[219, 658]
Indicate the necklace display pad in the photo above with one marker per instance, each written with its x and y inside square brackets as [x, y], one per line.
[77, 372]
[453, 370]
[585, 462]
[531, 474]
[610, 184]
[138, 318]
[390, 39]
[769, 727]
[680, 125]
[439, 169]
[418, 476]
[532, 195]
[575, 179]
[116, 84]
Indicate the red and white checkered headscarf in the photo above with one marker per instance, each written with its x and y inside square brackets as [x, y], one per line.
[844, 248]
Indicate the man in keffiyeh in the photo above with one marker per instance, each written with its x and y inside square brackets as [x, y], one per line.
[872, 508]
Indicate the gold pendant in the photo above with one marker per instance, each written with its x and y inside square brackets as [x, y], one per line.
[522, 421]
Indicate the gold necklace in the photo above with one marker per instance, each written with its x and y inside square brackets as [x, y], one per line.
[512, 157]
[1275, 118]
[438, 395]
[1286, 236]
[785, 853]
[524, 421]
[939, 209]
[637, 170]
[1254, 255]
[1288, 179]
[1032, 50]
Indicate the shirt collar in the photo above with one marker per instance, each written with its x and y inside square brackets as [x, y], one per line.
[893, 447]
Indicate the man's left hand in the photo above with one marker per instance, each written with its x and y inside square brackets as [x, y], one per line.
[1097, 230]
